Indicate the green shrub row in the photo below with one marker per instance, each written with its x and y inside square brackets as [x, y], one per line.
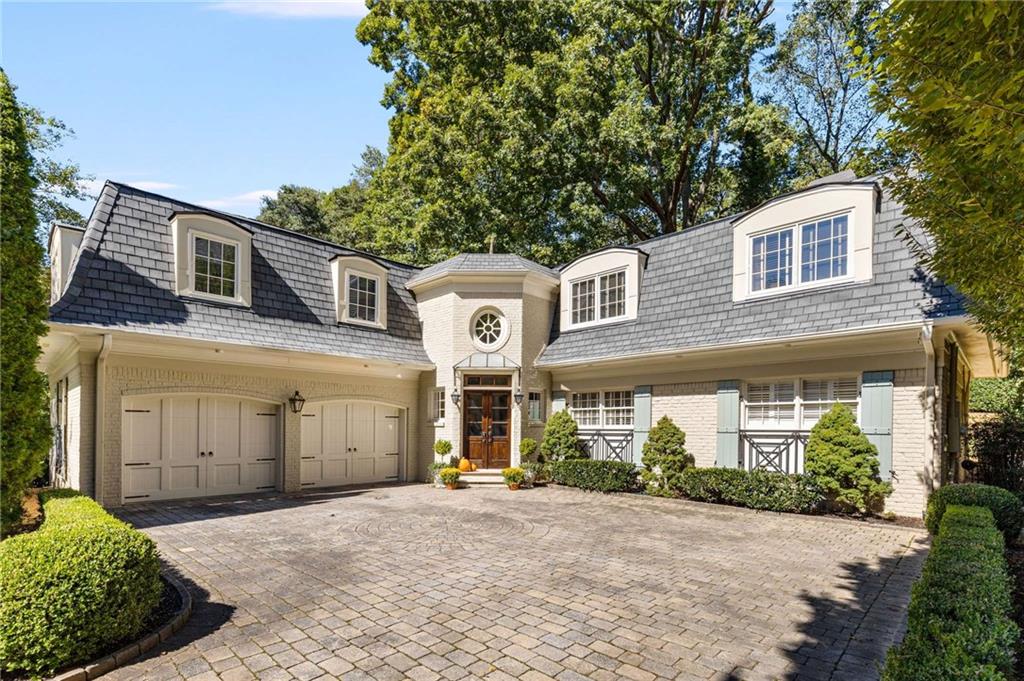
[959, 624]
[81, 582]
[1006, 507]
[753, 489]
[600, 476]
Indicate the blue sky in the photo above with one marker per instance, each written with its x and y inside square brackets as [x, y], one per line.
[217, 103]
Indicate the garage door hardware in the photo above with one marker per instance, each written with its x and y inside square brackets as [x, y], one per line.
[390, 417]
[391, 477]
[305, 457]
[270, 459]
[139, 496]
[145, 463]
[307, 484]
[309, 416]
[136, 411]
[266, 413]
[267, 487]
[391, 454]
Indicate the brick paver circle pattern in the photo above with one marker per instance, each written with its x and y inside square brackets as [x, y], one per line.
[412, 582]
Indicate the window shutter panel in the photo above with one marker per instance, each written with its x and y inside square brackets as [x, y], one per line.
[557, 401]
[727, 454]
[876, 416]
[641, 420]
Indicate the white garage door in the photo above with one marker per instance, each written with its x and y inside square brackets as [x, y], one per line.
[176, 446]
[345, 443]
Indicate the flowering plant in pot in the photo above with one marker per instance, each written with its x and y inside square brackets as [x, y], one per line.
[513, 477]
[527, 454]
[450, 477]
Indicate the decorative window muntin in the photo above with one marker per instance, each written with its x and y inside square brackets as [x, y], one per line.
[797, 404]
[489, 329]
[214, 266]
[437, 404]
[362, 294]
[535, 406]
[583, 306]
[771, 264]
[613, 294]
[603, 409]
[824, 247]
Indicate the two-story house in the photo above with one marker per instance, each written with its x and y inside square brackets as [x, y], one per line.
[195, 353]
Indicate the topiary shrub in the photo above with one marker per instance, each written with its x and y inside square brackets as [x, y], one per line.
[527, 449]
[759, 490]
[959, 624]
[81, 582]
[443, 448]
[845, 463]
[664, 458]
[598, 476]
[1005, 506]
[561, 438]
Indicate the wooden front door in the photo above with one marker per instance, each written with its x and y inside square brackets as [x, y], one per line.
[487, 423]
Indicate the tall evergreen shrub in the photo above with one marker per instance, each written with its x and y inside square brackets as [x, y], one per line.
[561, 438]
[664, 458]
[24, 421]
[845, 463]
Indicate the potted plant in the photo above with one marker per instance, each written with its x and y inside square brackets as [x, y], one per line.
[450, 477]
[434, 473]
[442, 448]
[513, 477]
[533, 472]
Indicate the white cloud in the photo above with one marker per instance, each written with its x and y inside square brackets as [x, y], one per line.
[300, 9]
[240, 202]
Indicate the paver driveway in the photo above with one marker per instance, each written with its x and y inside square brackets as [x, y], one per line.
[413, 582]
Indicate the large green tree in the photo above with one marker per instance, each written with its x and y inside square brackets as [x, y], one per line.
[949, 77]
[58, 180]
[555, 125]
[814, 73]
[24, 423]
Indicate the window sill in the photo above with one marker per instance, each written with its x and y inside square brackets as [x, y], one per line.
[213, 300]
[797, 291]
[436, 423]
[362, 324]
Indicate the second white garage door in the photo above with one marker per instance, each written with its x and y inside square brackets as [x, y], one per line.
[345, 443]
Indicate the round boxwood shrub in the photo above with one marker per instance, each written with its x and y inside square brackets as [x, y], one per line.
[561, 438]
[1005, 506]
[81, 582]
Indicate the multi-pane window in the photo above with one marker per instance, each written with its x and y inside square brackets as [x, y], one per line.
[797, 404]
[362, 298]
[535, 406]
[613, 295]
[437, 404]
[609, 408]
[583, 301]
[772, 263]
[823, 246]
[215, 267]
[602, 297]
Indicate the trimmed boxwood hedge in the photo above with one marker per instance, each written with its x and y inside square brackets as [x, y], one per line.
[81, 582]
[1006, 507]
[600, 476]
[960, 622]
[753, 489]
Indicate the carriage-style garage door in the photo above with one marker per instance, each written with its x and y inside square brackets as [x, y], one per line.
[344, 443]
[176, 446]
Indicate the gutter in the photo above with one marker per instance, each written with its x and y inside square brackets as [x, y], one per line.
[931, 453]
[101, 384]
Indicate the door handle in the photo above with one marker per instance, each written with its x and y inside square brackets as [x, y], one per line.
[203, 454]
[209, 454]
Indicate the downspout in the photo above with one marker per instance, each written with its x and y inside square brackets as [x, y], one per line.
[100, 416]
[931, 466]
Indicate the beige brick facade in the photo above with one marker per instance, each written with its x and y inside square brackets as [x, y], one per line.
[910, 488]
[694, 408]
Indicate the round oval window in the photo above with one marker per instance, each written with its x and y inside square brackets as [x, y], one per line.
[489, 329]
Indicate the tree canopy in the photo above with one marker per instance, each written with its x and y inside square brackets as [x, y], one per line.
[58, 181]
[948, 76]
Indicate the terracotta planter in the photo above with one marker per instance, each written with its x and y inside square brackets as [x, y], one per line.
[513, 486]
[451, 485]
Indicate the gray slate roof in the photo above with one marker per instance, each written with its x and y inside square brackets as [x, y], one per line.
[469, 263]
[124, 279]
[686, 298]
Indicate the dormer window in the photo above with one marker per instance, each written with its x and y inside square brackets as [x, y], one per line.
[601, 287]
[360, 290]
[818, 237]
[212, 258]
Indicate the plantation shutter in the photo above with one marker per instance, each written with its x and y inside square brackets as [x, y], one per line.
[876, 416]
[641, 420]
[727, 449]
[557, 401]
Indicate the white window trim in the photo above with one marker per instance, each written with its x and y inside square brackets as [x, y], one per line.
[349, 272]
[543, 407]
[798, 400]
[437, 407]
[194, 234]
[596, 278]
[506, 329]
[341, 268]
[797, 264]
[602, 409]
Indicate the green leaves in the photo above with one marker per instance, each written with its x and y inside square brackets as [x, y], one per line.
[845, 463]
[561, 438]
[664, 458]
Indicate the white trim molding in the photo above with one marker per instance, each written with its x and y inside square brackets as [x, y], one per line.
[854, 202]
[185, 228]
[343, 266]
[592, 270]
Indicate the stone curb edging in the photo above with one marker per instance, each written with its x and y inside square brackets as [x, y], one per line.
[123, 656]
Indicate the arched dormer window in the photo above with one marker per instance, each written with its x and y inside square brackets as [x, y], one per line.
[602, 287]
[821, 236]
[212, 258]
[360, 290]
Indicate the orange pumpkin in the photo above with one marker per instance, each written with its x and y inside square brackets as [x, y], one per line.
[473, 466]
[465, 465]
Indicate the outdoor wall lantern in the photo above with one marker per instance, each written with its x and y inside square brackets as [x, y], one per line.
[518, 397]
[456, 396]
[296, 401]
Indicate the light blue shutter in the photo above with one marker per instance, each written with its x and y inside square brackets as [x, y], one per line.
[727, 450]
[876, 416]
[557, 401]
[641, 420]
